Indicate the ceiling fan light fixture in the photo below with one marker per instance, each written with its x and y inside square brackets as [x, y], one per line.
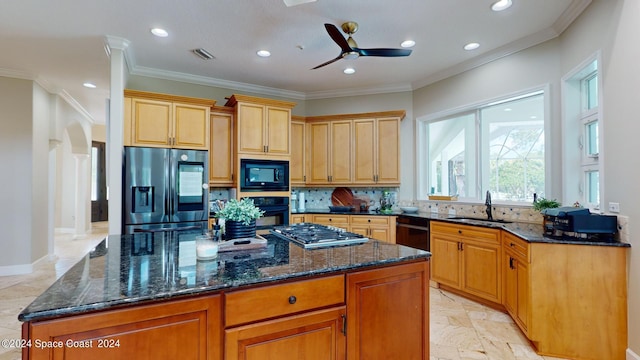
[408, 43]
[290, 3]
[351, 55]
[471, 46]
[349, 71]
[159, 32]
[263, 53]
[89, 85]
[501, 5]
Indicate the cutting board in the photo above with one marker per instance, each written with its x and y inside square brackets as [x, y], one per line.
[342, 196]
[242, 244]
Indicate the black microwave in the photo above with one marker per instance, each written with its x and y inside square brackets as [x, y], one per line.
[264, 175]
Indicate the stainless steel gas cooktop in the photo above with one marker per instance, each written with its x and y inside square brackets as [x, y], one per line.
[314, 235]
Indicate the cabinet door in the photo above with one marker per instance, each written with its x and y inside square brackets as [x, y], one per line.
[297, 164]
[152, 123]
[128, 122]
[251, 128]
[277, 130]
[510, 284]
[221, 151]
[340, 152]
[360, 229]
[364, 151]
[522, 310]
[380, 233]
[445, 262]
[388, 313]
[388, 151]
[317, 335]
[296, 219]
[191, 127]
[481, 270]
[187, 329]
[318, 135]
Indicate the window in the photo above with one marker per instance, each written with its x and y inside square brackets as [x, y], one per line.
[582, 122]
[497, 146]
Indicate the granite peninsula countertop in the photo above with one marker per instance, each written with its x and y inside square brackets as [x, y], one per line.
[140, 268]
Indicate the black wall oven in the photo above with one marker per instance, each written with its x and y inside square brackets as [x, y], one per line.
[276, 212]
[264, 175]
[412, 231]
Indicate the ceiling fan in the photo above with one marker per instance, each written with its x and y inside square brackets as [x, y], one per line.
[350, 49]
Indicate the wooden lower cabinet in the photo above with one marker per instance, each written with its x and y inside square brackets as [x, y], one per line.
[316, 335]
[467, 258]
[341, 221]
[381, 228]
[185, 329]
[296, 218]
[388, 313]
[516, 280]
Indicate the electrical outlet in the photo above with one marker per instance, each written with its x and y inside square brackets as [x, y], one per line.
[614, 207]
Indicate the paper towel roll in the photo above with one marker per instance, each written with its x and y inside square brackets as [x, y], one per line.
[301, 201]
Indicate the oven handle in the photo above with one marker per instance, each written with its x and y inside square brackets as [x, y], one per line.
[274, 208]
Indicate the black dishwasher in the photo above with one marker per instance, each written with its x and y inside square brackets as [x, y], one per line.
[412, 231]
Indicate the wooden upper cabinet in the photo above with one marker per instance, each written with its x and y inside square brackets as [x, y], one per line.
[297, 167]
[354, 149]
[263, 125]
[388, 151]
[221, 149]
[377, 151]
[161, 120]
[329, 152]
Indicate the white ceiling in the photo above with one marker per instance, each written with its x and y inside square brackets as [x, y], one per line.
[61, 43]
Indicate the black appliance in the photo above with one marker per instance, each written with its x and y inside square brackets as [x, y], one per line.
[579, 223]
[264, 175]
[164, 190]
[276, 211]
[412, 231]
[315, 235]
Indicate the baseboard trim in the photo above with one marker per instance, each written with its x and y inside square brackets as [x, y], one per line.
[20, 269]
[632, 356]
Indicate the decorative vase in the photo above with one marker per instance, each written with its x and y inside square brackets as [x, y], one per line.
[237, 230]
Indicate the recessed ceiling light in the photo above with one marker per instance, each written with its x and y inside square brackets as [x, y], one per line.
[533, 117]
[507, 109]
[159, 32]
[263, 53]
[471, 46]
[89, 85]
[408, 43]
[501, 5]
[349, 71]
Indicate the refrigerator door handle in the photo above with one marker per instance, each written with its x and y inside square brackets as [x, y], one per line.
[185, 228]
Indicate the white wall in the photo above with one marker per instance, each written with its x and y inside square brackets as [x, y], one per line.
[614, 26]
[40, 173]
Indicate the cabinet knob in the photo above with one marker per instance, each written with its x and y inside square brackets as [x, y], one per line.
[292, 299]
[459, 231]
[511, 244]
[369, 220]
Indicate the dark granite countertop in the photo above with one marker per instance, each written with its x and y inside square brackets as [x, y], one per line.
[134, 269]
[327, 211]
[532, 233]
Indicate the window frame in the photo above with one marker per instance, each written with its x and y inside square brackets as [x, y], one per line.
[422, 149]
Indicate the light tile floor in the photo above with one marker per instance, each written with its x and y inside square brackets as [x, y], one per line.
[460, 328]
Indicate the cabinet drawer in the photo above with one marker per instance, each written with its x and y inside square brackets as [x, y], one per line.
[369, 220]
[466, 231]
[516, 245]
[335, 220]
[247, 306]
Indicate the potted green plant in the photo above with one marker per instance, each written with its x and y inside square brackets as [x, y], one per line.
[541, 204]
[239, 218]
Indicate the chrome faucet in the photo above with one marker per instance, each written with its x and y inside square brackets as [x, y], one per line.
[488, 203]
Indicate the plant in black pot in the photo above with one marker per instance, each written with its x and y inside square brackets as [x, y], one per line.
[239, 218]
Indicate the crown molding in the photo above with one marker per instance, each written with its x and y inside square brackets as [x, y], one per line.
[63, 94]
[208, 81]
[570, 15]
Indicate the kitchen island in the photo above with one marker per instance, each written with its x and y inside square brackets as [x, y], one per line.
[146, 296]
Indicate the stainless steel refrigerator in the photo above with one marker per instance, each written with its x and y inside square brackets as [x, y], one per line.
[164, 190]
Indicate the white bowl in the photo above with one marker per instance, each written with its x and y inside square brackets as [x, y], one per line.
[409, 209]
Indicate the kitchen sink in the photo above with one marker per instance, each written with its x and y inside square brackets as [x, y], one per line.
[468, 218]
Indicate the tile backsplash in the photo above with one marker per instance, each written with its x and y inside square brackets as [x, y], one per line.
[320, 198]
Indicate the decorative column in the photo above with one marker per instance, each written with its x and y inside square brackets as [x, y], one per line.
[115, 124]
[83, 190]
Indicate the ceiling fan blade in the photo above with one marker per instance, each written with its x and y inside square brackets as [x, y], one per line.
[338, 38]
[328, 62]
[383, 52]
